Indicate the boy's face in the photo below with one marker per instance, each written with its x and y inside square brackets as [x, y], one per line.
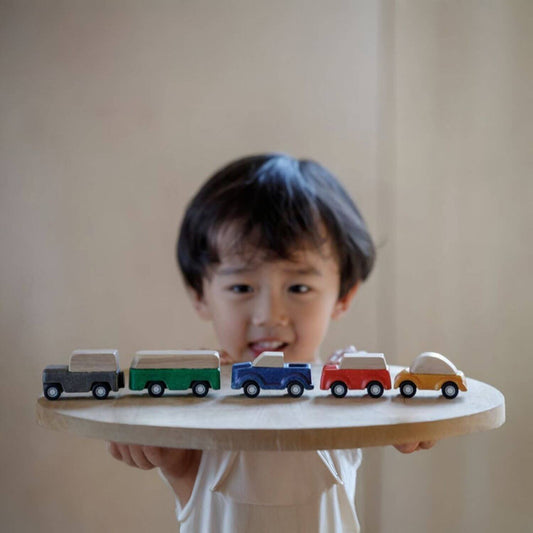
[257, 305]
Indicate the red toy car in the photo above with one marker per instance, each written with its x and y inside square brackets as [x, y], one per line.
[357, 370]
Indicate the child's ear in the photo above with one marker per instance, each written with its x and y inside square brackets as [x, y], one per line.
[199, 303]
[343, 304]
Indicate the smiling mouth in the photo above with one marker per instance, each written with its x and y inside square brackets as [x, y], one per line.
[267, 346]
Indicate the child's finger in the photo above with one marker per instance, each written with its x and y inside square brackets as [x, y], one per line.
[117, 450]
[407, 448]
[415, 446]
[169, 459]
[139, 458]
[125, 455]
[112, 448]
[154, 454]
[225, 358]
[336, 356]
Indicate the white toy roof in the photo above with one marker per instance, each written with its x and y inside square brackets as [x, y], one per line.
[432, 363]
[363, 361]
[176, 359]
[93, 360]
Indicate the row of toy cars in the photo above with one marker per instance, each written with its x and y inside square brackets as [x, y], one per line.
[361, 370]
[98, 371]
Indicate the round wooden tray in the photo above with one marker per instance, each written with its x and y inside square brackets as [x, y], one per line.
[228, 420]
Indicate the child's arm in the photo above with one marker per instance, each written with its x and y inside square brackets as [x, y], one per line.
[179, 467]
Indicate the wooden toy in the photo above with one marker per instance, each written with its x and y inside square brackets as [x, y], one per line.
[269, 371]
[88, 370]
[357, 370]
[431, 371]
[175, 370]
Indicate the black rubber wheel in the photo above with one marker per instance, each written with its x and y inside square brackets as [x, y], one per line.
[407, 389]
[339, 389]
[375, 389]
[450, 390]
[251, 389]
[295, 389]
[101, 390]
[156, 389]
[52, 391]
[200, 389]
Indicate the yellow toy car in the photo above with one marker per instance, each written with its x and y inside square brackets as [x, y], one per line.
[431, 371]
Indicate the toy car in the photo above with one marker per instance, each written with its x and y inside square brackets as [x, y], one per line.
[175, 370]
[88, 370]
[357, 370]
[269, 371]
[431, 371]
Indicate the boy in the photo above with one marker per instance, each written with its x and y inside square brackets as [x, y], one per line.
[271, 249]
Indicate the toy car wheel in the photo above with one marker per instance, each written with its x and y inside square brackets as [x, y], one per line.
[450, 390]
[339, 389]
[251, 389]
[100, 391]
[200, 389]
[52, 392]
[407, 389]
[156, 389]
[375, 389]
[295, 389]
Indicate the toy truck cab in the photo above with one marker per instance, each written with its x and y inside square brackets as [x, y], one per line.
[88, 370]
[357, 370]
[269, 371]
[156, 371]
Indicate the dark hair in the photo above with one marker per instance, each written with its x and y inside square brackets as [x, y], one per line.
[277, 204]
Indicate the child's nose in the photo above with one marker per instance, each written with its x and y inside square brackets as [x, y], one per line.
[269, 311]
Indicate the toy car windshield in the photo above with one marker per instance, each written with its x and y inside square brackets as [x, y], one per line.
[269, 359]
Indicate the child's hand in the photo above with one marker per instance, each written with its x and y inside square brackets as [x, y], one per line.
[336, 356]
[172, 460]
[178, 466]
[415, 446]
[225, 358]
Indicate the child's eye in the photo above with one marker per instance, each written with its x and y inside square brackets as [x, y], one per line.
[299, 289]
[240, 289]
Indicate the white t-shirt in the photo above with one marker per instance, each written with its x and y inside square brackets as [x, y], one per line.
[240, 492]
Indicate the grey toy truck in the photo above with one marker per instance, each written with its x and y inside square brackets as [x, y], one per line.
[88, 370]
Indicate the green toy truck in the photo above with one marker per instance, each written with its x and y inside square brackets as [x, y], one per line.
[156, 371]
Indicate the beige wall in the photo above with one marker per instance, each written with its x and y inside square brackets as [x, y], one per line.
[462, 249]
[113, 113]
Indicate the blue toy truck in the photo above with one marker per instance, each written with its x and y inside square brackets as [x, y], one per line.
[269, 371]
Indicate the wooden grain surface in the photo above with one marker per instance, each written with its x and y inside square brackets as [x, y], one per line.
[227, 420]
